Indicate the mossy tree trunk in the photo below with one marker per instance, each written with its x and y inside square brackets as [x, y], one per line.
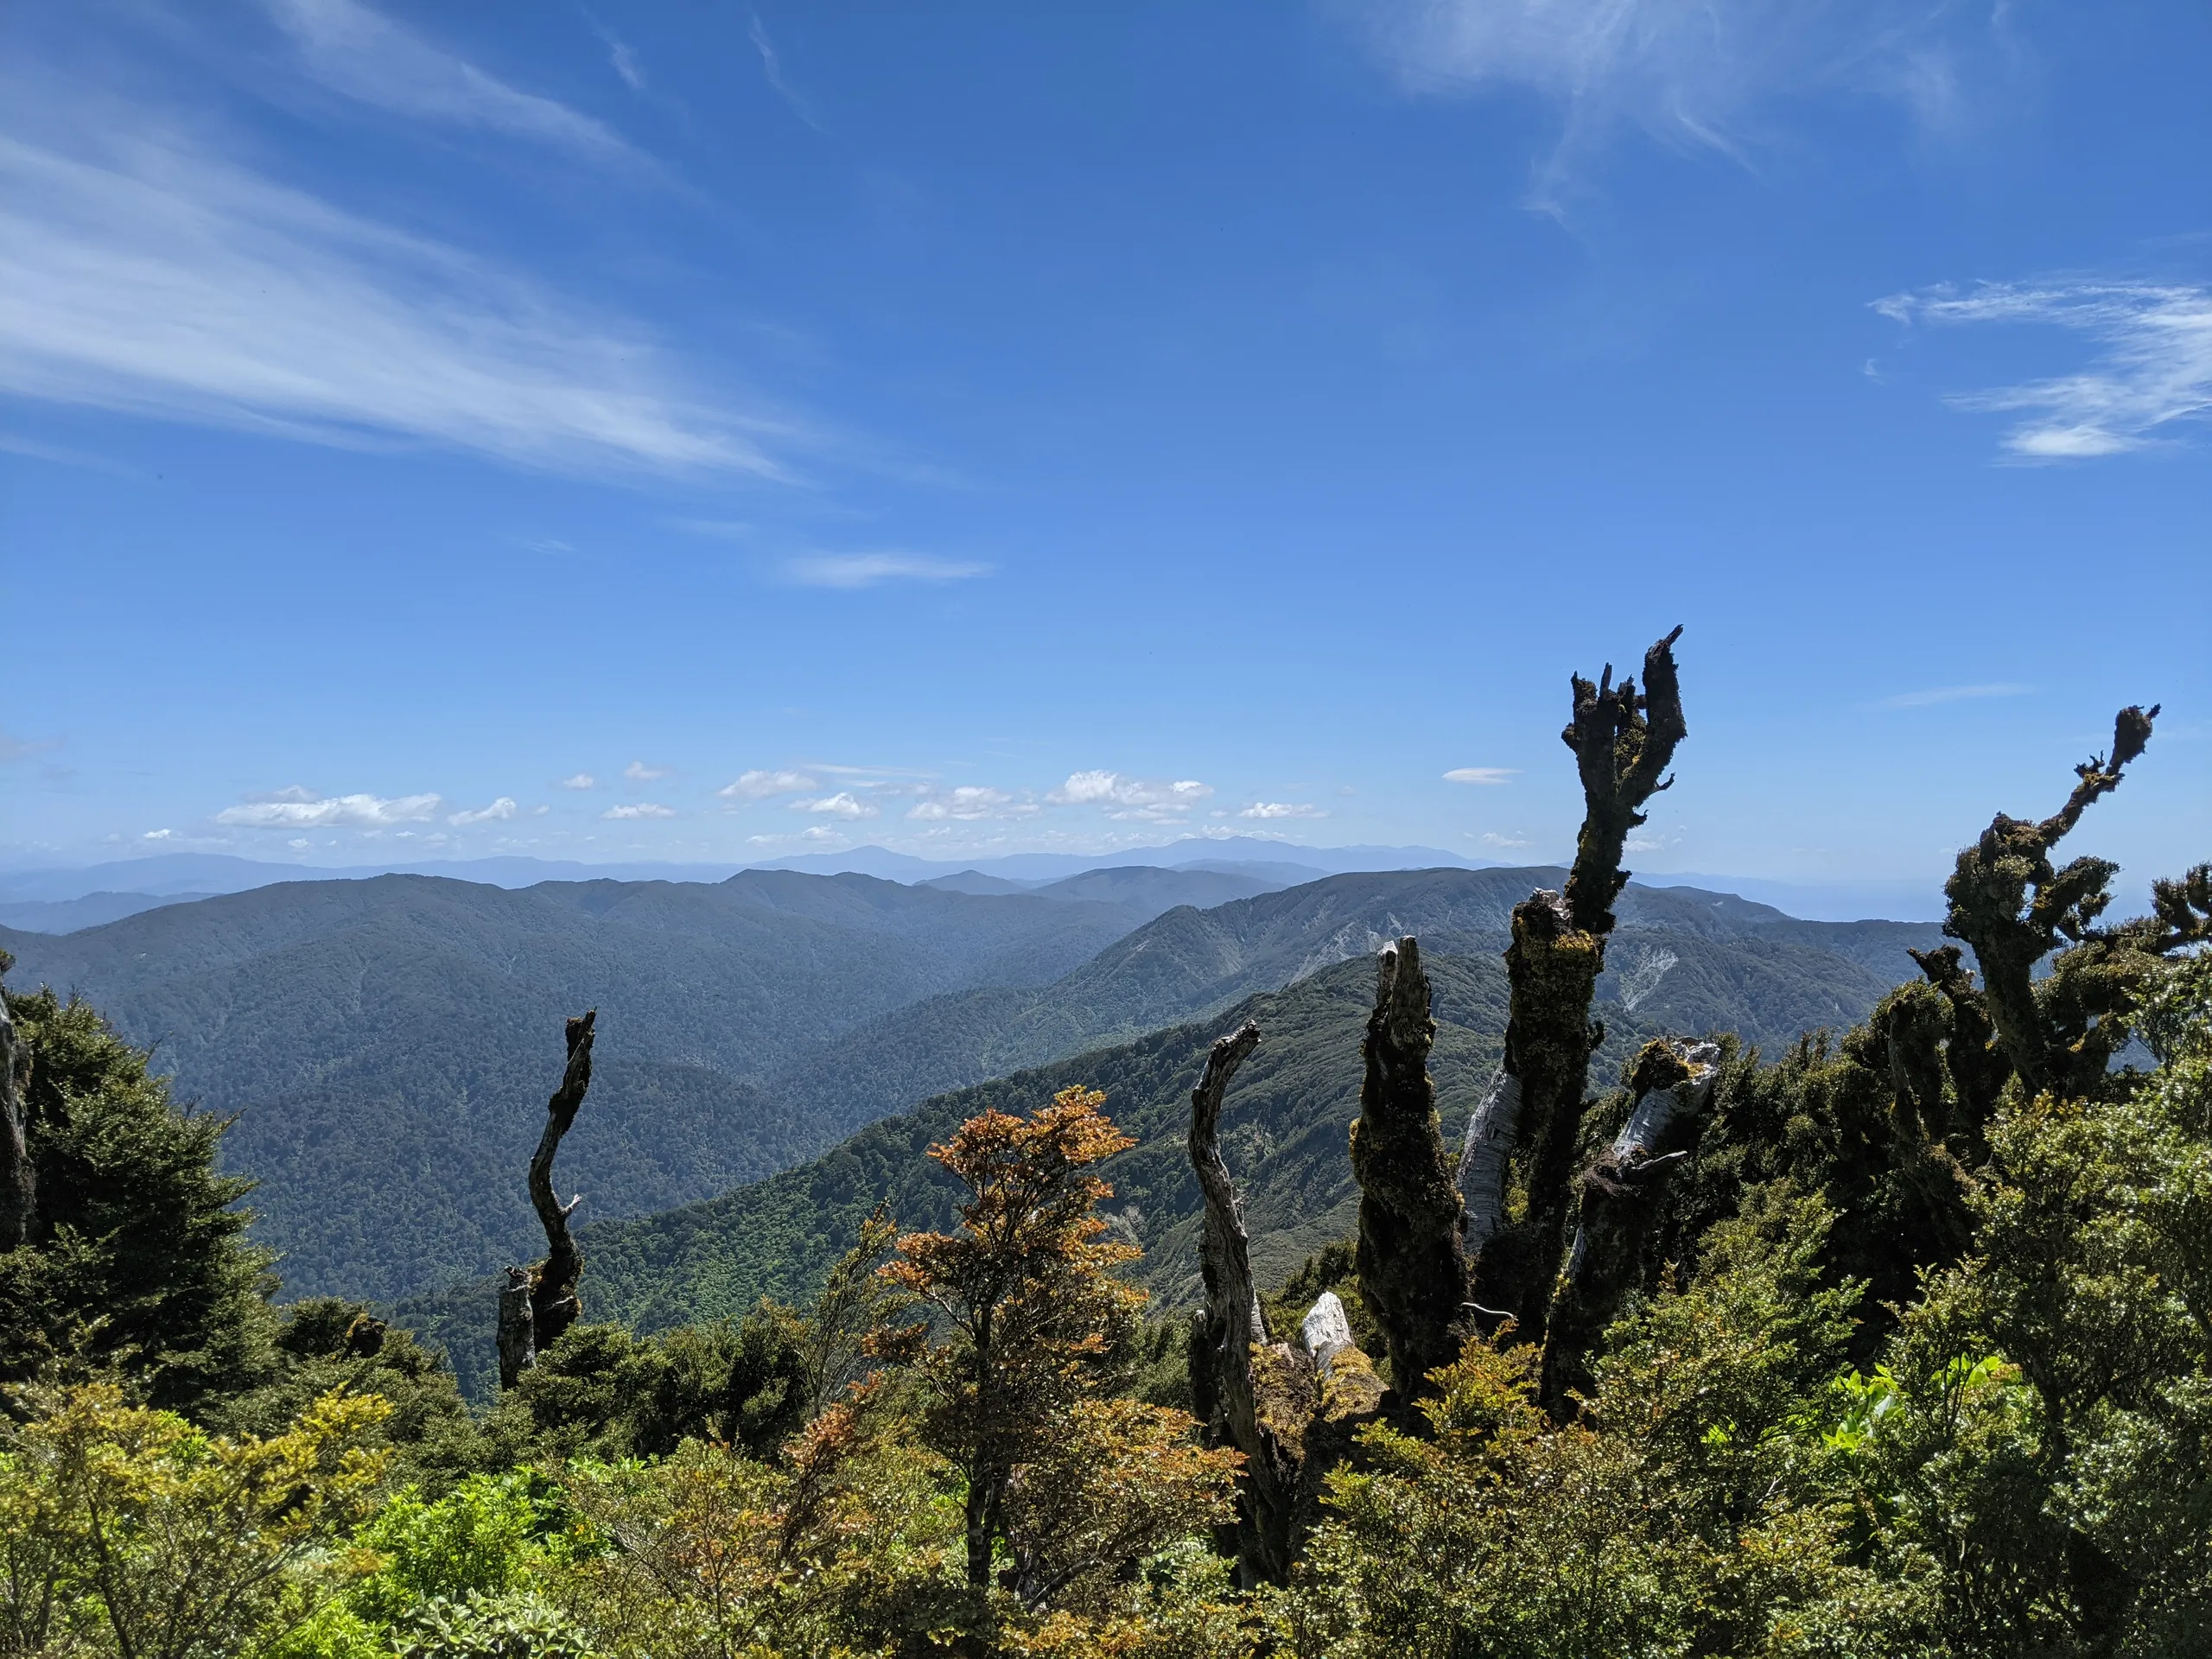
[1624, 738]
[1412, 1269]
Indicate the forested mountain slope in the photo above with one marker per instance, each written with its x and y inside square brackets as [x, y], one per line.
[390, 1042]
[1684, 957]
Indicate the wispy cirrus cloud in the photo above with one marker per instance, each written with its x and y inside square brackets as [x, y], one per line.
[1696, 72]
[2154, 370]
[579, 780]
[1486, 775]
[1936, 694]
[853, 571]
[296, 808]
[640, 809]
[638, 772]
[361, 54]
[141, 273]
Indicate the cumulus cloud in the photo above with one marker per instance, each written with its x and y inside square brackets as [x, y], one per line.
[758, 785]
[638, 772]
[580, 780]
[853, 570]
[640, 809]
[301, 808]
[844, 804]
[502, 808]
[1281, 810]
[1141, 799]
[1953, 694]
[1482, 775]
[144, 275]
[968, 802]
[2154, 369]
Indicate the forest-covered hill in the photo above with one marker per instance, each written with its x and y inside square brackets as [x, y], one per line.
[389, 1043]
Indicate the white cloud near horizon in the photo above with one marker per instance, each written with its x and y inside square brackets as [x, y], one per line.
[968, 803]
[1954, 694]
[1488, 775]
[640, 809]
[844, 804]
[302, 809]
[502, 809]
[758, 785]
[853, 571]
[148, 276]
[357, 51]
[2155, 368]
[1141, 799]
[1694, 73]
[1282, 810]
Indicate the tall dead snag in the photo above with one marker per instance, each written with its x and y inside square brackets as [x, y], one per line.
[1229, 1344]
[1623, 739]
[1412, 1271]
[2013, 906]
[530, 1323]
[1289, 1407]
[1620, 1195]
[18, 1189]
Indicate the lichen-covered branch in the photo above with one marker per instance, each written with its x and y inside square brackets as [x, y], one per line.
[2011, 904]
[18, 1186]
[553, 1304]
[1624, 738]
[1412, 1271]
[1620, 1194]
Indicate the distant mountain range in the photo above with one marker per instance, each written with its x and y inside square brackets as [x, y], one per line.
[389, 1042]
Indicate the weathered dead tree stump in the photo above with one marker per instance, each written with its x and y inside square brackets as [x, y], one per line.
[540, 1302]
[18, 1183]
[1289, 1407]
[1620, 1197]
[1412, 1271]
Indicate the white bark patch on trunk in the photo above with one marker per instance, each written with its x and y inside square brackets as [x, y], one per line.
[1483, 1159]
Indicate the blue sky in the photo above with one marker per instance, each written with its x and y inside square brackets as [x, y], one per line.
[694, 432]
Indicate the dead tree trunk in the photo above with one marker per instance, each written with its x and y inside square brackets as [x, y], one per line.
[1620, 1196]
[1232, 1334]
[1623, 741]
[18, 1184]
[1412, 1269]
[1290, 1408]
[540, 1303]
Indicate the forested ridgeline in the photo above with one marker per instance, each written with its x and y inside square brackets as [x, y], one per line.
[370, 1034]
[1897, 1340]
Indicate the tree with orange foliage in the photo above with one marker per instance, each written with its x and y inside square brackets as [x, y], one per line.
[1071, 1486]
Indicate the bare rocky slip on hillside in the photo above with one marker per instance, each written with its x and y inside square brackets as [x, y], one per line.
[385, 1042]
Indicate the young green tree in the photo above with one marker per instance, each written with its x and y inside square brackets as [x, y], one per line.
[128, 1530]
